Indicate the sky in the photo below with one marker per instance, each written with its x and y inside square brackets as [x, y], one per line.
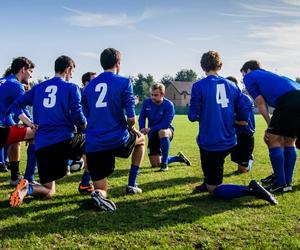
[156, 37]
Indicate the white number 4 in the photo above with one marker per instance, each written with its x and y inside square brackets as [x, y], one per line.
[102, 88]
[221, 96]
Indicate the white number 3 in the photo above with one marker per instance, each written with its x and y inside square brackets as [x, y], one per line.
[49, 102]
[102, 88]
[221, 96]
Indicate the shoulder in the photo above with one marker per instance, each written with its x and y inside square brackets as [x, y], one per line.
[168, 103]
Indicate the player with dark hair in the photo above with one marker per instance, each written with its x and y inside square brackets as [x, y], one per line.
[57, 112]
[109, 132]
[214, 104]
[242, 154]
[160, 112]
[282, 93]
[87, 77]
[11, 88]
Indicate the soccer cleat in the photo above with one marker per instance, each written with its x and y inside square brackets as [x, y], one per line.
[3, 168]
[274, 188]
[261, 193]
[241, 170]
[201, 188]
[15, 182]
[184, 158]
[268, 180]
[76, 166]
[86, 189]
[133, 190]
[102, 203]
[163, 167]
[17, 196]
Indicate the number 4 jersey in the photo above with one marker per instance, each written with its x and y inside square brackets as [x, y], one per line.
[214, 104]
[106, 100]
[56, 109]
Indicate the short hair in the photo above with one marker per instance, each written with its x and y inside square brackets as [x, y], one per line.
[158, 86]
[211, 60]
[252, 65]
[233, 79]
[19, 63]
[109, 57]
[62, 63]
[86, 77]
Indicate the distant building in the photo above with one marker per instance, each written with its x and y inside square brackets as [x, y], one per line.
[179, 93]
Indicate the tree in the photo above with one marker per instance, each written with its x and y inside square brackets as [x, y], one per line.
[298, 79]
[186, 75]
[166, 80]
[141, 85]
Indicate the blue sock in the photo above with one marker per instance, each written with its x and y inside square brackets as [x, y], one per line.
[2, 155]
[277, 160]
[30, 189]
[230, 191]
[290, 157]
[133, 173]
[86, 178]
[31, 163]
[172, 159]
[165, 148]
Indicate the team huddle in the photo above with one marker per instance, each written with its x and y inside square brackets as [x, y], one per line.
[96, 124]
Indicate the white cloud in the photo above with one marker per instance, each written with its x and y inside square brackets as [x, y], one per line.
[88, 19]
[90, 55]
[164, 40]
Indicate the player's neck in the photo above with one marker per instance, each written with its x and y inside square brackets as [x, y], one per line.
[212, 73]
[61, 75]
[112, 70]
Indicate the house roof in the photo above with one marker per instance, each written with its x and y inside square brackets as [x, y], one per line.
[182, 87]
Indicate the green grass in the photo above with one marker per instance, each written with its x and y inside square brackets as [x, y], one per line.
[167, 215]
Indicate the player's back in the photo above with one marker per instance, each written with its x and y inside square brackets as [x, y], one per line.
[10, 90]
[105, 100]
[56, 109]
[215, 99]
[270, 85]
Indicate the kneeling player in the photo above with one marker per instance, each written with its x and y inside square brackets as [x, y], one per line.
[242, 153]
[109, 133]
[56, 110]
[160, 113]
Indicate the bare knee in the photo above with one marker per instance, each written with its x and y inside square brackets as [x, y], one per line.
[163, 133]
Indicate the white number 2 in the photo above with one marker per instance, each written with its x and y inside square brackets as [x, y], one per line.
[102, 88]
[221, 96]
[49, 102]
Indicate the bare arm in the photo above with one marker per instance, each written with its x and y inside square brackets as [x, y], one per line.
[263, 108]
[241, 123]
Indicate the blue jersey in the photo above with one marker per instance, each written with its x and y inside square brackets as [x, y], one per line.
[246, 108]
[10, 90]
[159, 116]
[268, 85]
[214, 104]
[56, 109]
[106, 99]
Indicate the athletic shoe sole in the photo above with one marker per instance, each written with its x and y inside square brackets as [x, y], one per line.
[262, 193]
[186, 160]
[133, 190]
[102, 203]
[16, 198]
[85, 189]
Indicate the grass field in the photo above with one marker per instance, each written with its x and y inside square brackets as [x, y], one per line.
[166, 215]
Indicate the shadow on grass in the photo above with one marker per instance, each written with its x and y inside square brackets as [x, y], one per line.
[70, 214]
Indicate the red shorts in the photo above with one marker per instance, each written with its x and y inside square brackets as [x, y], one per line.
[16, 134]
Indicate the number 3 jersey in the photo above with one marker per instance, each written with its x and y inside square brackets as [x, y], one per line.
[106, 100]
[214, 104]
[56, 109]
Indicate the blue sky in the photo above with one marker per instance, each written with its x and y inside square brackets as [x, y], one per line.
[155, 37]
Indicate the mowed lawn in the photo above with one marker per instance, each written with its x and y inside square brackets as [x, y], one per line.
[168, 214]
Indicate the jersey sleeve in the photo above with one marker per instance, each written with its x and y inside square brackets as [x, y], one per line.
[195, 105]
[75, 106]
[243, 108]
[128, 100]
[142, 117]
[84, 102]
[166, 122]
[251, 86]
[19, 105]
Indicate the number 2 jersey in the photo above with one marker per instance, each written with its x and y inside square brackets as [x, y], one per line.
[106, 100]
[56, 109]
[215, 105]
